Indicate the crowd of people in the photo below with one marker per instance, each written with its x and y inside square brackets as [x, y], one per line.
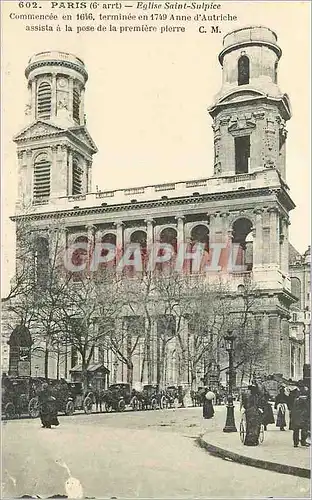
[257, 409]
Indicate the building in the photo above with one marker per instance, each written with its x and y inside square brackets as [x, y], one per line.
[300, 320]
[245, 202]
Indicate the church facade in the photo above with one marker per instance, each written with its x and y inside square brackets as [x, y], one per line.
[246, 202]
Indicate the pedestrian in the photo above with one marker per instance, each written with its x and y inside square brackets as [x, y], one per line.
[301, 417]
[267, 415]
[281, 405]
[253, 415]
[294, 393]
[208, 411]
[47, 407]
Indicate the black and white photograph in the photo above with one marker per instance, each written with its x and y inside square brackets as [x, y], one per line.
[155, 249]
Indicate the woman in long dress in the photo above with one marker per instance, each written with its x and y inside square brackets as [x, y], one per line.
[251, 404]
[281, 405]
[208, 411]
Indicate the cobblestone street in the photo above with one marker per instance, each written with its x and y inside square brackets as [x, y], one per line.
[149, 454]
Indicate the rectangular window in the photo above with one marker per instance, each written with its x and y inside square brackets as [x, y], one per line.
[242, 154]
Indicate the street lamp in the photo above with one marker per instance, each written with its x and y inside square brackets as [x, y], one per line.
[230, 420]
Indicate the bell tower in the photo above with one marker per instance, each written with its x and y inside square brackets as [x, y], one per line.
[250, 112]
[55, 149]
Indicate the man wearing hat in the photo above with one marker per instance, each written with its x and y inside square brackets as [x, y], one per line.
[300, 416]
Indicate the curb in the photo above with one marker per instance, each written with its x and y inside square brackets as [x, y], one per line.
[253, 462]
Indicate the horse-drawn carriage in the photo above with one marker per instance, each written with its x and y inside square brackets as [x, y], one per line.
[174, 396]
[70, 396]
[118, 396]
[20, 396]
[152, 398]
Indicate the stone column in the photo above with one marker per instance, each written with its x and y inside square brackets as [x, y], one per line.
[285, 348]
[150, 238]
[284, 246]
[22, 174]
[89, 176]
[29, 169]
[119, 240]
[33, 99]
[275, 352]
[180, 230]
[82, 100]
[70, 97]
[70, 172]
[55, 174]
[91, 241]
[274, 237]
[258, 243]
[53, 100]
[59, 172]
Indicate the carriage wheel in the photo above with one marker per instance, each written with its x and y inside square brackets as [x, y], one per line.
[261, 434]
[33, 408]
[121, 405]
[108, 407]
[9, 410]
[87, 405]
[242, 430]
[154, 405]
[69, 409]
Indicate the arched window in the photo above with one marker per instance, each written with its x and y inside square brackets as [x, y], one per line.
[76, 104]
[42, 167]
[141, 238]
[167, 236]
[77, 178]
[242, 236]
[80, 256]
[44, 100]
[108, 238]
[243, 70]
[199, 236]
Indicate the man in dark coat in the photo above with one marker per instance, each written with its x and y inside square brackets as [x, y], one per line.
[47, 407]
[267, 416]
[300, 417]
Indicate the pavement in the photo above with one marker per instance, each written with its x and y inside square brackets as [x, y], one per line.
[150, 454]
[276, 453]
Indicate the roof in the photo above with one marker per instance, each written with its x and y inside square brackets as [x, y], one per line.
[91, 368]
[294, 255]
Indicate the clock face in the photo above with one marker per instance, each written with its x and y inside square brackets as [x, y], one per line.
[63, 82]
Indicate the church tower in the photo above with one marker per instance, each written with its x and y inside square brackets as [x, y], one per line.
[250, 111]
[249, 123]
[55, 149]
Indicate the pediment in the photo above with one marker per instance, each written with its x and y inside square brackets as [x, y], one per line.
[83, 136]
[37, 130]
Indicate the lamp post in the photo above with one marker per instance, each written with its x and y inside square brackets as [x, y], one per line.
[230, 420]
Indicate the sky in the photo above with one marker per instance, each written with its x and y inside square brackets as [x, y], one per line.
[147, 99]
